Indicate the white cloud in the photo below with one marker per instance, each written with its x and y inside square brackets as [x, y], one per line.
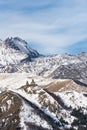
[53, 28]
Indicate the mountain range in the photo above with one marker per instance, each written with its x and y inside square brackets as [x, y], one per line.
[39, 92]
[17, 56]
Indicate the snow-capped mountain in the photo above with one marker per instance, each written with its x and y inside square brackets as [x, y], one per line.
[22, 46]
[14, 50]
[16, 56]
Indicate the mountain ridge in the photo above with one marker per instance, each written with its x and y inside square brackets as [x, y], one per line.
[21, 45]
[33, 107]
[17, 56]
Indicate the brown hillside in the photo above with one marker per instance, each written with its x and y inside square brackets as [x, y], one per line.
[62, 85]
[9, 111]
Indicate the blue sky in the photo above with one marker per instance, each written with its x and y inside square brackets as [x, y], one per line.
[50, 26]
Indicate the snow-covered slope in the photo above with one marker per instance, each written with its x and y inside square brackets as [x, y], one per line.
[46, 103]
[21, 45]
[59, 66]
[59, 106]
[9, 55]
[74, 99]
[38, 108]
[18, 114]
[16, 56]
[13, 51]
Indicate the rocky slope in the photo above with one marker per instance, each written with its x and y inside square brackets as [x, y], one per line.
[32, 107]
[61, 105]
[10, 106]
[16, 113]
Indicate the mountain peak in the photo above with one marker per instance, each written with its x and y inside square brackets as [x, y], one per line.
[15, 39]
[14, 51]
[21, 45]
